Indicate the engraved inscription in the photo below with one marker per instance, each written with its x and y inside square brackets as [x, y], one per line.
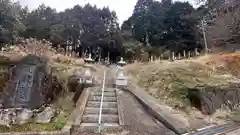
[25, 82]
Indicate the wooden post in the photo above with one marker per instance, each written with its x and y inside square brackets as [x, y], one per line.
[196, 52]
[179, 56]
[173, 56]
[161, 56]
[66, 51]
[2, 51]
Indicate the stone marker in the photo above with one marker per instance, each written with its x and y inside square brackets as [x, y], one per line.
[46, 115]
[25, 88]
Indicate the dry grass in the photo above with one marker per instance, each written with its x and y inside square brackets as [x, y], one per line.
[63, 66]
[39, 48]
[169, 81]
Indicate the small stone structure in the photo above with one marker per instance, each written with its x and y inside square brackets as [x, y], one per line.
[121, 80]
[88, 74]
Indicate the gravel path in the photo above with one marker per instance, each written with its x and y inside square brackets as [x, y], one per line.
[137, 121]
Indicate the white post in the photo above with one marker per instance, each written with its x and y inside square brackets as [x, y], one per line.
[204, 36]
[100, 111]
[2, 49]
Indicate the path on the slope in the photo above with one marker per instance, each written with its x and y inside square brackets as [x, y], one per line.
[137, 120]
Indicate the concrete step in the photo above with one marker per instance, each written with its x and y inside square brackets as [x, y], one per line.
[106, 94]
[92, 118]
[94, 126]
[107, 90]
[90, 110]
[105, 99]
[105, 104]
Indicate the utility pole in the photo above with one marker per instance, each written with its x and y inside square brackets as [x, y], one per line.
[204, 36]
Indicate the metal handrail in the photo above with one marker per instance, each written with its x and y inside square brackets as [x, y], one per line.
[100, 110]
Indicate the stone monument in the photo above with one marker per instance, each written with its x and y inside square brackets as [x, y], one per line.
[25, 87]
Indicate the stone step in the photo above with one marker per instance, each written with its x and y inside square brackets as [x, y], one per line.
[105, 104]
[107, 90]
[90, 110]
[106, 94]
[105, 99]
[92, 118]
[94, 126]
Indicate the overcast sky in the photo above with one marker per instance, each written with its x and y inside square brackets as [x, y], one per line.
[123, 8]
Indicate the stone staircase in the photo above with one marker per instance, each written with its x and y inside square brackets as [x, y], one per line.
[110, 118]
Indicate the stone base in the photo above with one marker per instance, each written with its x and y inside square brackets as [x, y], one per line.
[121, 87]
[121, 82]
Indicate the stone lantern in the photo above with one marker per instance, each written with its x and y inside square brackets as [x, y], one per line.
[121, 80]
[121, 62]
[88, 75]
